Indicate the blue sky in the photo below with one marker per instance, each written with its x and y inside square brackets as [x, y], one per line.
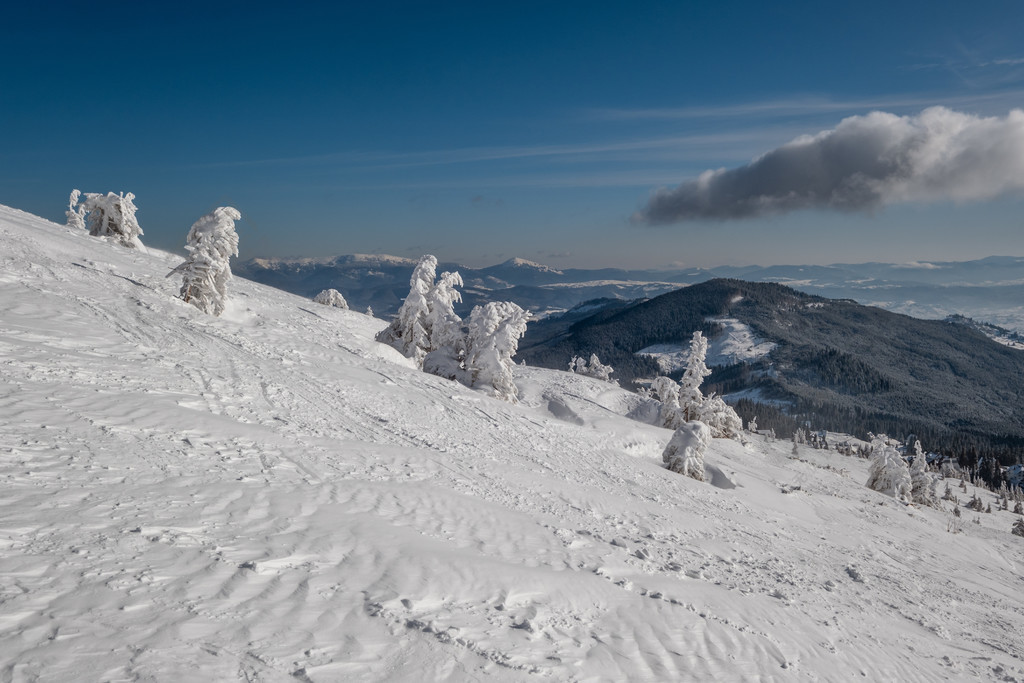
[479, 131]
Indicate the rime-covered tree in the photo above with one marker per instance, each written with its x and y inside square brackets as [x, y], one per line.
[690, 396]
[720, 417]
[595, 368]
[443, 324]
[888, 472]
[685, 451]
[75, 213]
[922, 481]
[492, 338]
[211, 243]
[331, 297]
[670, 415]
[106, 215]
[409, 332]
[1018, 528]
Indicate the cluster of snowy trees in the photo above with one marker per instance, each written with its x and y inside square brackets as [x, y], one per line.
[477, 352]
[696, 418]
[106, 215]
[595, 368]
[683, 401]
[889, 474]
[210, 243]
[206, 271]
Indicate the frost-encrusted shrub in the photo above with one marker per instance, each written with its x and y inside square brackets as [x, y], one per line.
[922, 481]
[595, 368]
[331, 297]
[75, 213]
[888, 472]
[211, 243]
[1018, 528]
[106, 215]
[685, 451]
[478, 353]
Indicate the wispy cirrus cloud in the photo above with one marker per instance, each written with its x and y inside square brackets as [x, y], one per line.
[864, 163]
[676, 147]
[812, 106]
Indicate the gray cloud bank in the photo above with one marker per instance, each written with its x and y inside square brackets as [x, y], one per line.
[864, 163]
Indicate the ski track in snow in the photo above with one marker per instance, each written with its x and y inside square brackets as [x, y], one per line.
[273, 496]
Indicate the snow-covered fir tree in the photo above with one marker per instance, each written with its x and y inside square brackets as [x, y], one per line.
[492, 339]
[888, 472]
[685, 451]
[1018, 528]
[211, 243]
[75, 213]
[106, 215]
[922, 481]
[409, 332]
[690, 396]
[444, 326]
[595, 368]
[331, 297]
[369, 311]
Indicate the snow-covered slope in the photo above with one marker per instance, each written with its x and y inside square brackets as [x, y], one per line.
[273, 496]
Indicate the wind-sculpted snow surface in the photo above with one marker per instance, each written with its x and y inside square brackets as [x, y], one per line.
[273, 496]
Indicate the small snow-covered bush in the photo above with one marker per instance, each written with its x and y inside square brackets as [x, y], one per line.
[888, 472]
[211, 243]
[685, 451]
[331, 297]
[106, 215]
[1018, 528]
[75, 213]
[922, 481]
[595, 368]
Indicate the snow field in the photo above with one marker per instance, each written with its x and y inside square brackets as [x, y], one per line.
[273, 496]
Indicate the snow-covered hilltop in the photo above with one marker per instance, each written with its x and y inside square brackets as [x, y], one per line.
[272, 495]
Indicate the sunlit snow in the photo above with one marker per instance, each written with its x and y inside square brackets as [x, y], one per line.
[273, 496]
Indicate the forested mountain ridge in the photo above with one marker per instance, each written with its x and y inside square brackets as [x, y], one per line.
[836, 363]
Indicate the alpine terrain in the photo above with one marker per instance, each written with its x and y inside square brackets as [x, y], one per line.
[272, 495]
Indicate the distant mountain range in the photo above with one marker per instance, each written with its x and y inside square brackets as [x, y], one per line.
[835, 363]
[989, 290]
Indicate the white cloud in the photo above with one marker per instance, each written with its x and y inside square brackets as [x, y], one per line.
[864, 163]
